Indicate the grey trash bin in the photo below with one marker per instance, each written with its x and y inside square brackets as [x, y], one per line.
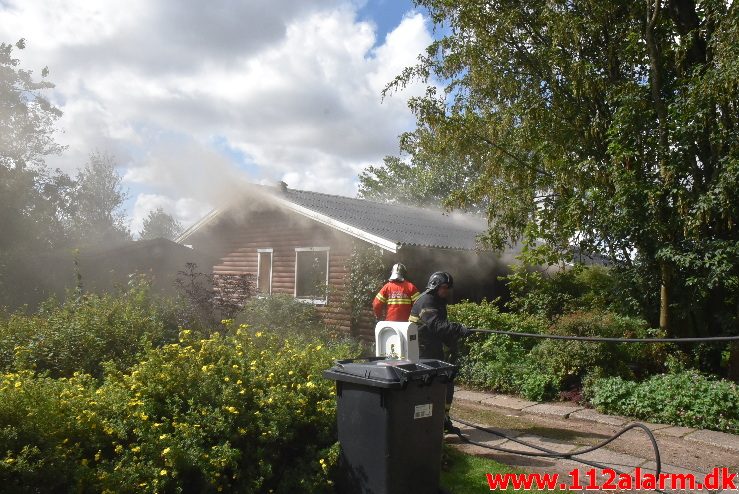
[390, 419]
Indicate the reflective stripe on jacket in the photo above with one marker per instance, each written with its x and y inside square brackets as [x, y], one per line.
[398, 297]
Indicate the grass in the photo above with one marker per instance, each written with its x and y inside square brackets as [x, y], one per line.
[465, 473]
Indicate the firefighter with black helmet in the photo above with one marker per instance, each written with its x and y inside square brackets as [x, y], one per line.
[435, 331]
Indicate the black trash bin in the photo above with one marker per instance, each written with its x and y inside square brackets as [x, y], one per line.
[390, 418]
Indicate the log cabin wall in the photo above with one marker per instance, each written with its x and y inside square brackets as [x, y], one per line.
[284, 232]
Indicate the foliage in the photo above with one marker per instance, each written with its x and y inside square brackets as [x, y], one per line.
[549, 294]
[418, 182]
[242, 413]
[205, 299]
[571, 361]
[284, 314]
[497, 362]
[366, 273]
[31, 196]
[84, 332]
[609, 126]
[685, 397]
[98, 202]
[540, 369]
[159, 224]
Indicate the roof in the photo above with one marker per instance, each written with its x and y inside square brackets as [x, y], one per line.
[386, 225]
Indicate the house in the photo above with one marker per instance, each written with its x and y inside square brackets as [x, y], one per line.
[295, 242]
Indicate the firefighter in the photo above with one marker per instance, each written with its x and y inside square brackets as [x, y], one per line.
[435, 331]
[397, 295]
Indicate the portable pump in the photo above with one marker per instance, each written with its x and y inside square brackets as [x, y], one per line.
[397, 340]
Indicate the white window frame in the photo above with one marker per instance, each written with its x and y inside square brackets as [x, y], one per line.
[323, 301]
[271, 266]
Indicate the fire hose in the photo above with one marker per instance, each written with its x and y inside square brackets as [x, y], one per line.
[548, 453]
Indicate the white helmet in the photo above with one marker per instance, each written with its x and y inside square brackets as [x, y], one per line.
[398, 272]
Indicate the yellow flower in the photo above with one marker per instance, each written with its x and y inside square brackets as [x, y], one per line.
[232, 410]
[163, 472]
[119, 448]
[165, 451]
[136, 449]
[310, 384]
[319, 347]
[258, 334]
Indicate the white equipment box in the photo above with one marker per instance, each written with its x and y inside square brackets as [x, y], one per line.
[396, 340]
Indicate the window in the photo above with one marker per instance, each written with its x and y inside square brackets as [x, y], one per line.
[264, 270]
[311, 274]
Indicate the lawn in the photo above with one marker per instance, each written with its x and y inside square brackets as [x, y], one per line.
[465, 474]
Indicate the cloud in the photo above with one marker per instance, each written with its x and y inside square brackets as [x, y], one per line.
[291, 87]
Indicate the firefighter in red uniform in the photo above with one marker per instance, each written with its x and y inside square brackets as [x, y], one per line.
[397, 295]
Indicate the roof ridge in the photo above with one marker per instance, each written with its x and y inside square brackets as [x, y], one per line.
[400, 204]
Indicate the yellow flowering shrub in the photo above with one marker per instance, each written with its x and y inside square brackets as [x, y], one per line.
[237, 413]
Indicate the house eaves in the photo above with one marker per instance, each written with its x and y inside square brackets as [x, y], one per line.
[368, 237]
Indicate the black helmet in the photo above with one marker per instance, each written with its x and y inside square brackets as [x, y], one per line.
[439, 278]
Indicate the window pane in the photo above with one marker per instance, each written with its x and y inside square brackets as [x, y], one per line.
[265, 272]
[311, 274]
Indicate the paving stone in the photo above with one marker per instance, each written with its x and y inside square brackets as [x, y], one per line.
[511, 402]
[553, 410]
[652, 427]
[612, 459]
[480, 436]
[467, 395]
[675, 431]
[651, 466]
[713, 438]
[593, 416]
[544, 442]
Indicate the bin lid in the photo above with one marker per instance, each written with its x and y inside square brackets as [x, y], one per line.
[380, 372]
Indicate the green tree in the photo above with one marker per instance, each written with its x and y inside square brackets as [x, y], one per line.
[610, 126]
[98, 202]
[30, 195]
[159, 224]
[33, 200]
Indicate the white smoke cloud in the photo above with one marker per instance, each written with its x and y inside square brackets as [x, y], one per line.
[291, 87]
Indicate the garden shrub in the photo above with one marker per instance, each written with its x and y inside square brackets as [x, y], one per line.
[570, 361]
[286, 315]
[497, 362]
[244, 413]
[685, 398]
[577, 288]
[84, 332]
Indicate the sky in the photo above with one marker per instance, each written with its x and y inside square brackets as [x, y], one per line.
[193, 99]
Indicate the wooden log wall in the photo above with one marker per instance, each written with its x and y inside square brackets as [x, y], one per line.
[284, 232]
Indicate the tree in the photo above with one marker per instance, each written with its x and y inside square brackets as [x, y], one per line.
[30, 195]
[159, 224]
[98, 200]
[609, 126]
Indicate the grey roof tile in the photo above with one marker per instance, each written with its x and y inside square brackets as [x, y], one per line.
[404, 225]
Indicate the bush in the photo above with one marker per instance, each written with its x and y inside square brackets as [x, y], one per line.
[243, 413]
[86, 331]
[285, 315]
[497, 362]
[579, 288]
[540, 369]
[570, 361]
[686, 398]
